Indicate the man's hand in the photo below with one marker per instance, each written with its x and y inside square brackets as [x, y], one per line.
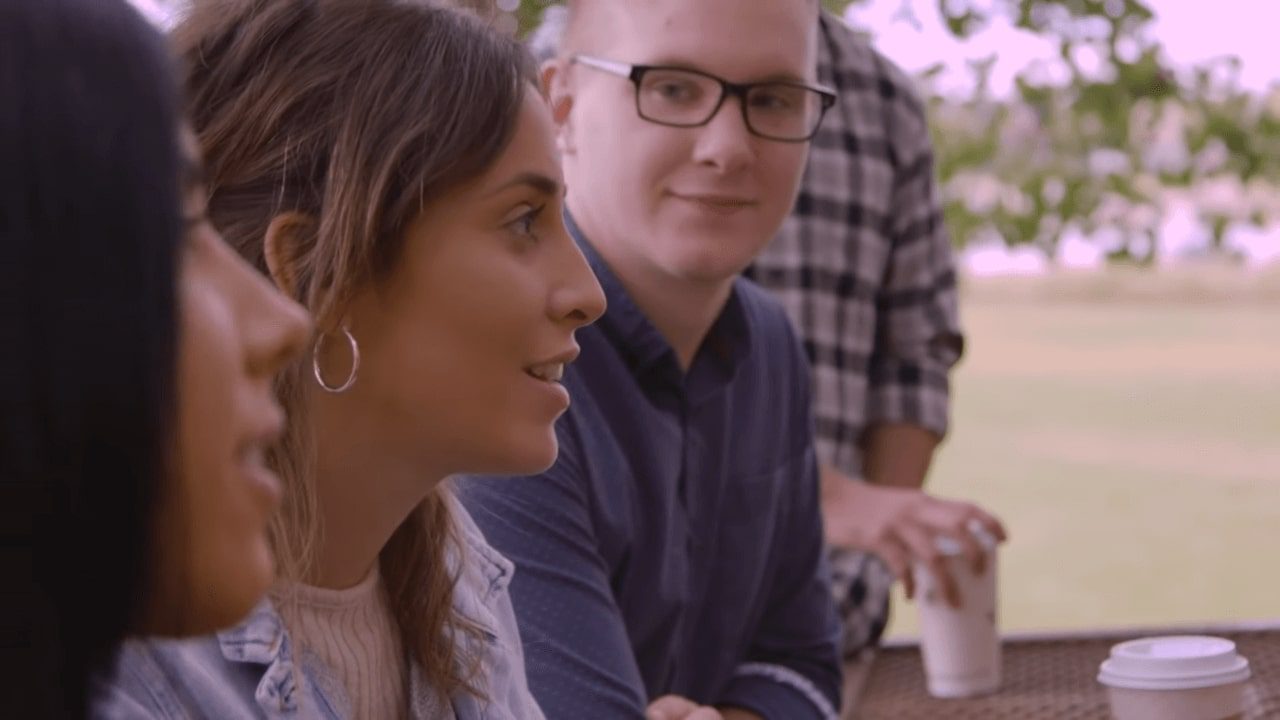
[674, 707]
[900, 525]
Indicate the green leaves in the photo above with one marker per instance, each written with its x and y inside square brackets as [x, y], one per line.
[1106, 148]
[1102, 149]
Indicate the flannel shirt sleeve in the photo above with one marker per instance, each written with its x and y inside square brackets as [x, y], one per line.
[918, 337]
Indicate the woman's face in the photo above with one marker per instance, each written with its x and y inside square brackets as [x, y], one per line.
[463, 346]
[236, 331]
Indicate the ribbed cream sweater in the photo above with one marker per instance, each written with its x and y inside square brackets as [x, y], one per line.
[354, 633]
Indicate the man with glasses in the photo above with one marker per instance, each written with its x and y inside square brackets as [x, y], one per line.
[671, 561]
[864, 268]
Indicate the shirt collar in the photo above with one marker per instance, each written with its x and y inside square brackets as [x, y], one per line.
[483, 575]
[261, 640]
[644, 349]
[627, 328]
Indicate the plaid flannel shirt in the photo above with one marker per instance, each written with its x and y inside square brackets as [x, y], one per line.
[865, 271]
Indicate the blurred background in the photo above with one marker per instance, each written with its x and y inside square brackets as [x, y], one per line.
[1111, 174]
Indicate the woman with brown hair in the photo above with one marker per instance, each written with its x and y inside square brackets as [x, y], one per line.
[391, 166]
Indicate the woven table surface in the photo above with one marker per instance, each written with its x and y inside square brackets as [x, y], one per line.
[1045, 677]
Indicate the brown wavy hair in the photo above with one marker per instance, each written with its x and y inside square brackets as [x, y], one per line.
[352, 113]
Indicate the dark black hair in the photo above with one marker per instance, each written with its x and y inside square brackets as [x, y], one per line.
[90, 226]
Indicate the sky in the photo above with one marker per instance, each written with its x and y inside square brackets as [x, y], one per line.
[1192, 31]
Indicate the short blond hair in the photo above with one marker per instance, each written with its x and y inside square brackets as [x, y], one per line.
[565, 39]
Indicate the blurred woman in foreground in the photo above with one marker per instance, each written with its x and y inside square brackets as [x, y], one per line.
[138, 354]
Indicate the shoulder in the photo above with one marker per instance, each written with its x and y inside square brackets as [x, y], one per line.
[238, 672]
[481, 595]
[481, 570]
[773, 338]
[136, 688]
[862, 73]
[777, 366]
[152, 679]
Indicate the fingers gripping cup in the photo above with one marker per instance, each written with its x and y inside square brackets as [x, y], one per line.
[1185, 677]
[960, 646]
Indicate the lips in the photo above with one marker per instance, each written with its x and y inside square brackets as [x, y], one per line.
[716, 202]
[721, 201]
[263, 482]
[251, 456]
[551, 372]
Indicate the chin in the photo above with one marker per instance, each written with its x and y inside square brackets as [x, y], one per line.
[526, 448]
[704, 270]
[210, 594]
[208, 612]
[532, 454]
[217, 604]
[539, 460]
[708, 260]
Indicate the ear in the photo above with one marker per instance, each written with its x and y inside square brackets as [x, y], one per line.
[547, 72]
[554, 75]
[285, 249]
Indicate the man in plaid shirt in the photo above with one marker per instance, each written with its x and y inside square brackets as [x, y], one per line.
[864, 268]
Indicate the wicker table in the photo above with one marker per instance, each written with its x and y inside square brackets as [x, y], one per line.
[1045, 676]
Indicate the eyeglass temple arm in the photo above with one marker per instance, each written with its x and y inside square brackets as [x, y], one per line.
[617, 68]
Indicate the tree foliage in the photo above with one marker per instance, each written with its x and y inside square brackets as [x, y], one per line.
[1107, 150]
[1101, 146]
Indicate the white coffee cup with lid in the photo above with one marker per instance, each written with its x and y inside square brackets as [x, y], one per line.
[960, 646]
[1180, 677]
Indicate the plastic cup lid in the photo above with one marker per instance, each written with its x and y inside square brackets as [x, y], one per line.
[1178, 662]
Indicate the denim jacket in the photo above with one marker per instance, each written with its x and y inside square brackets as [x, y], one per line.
[254, 671]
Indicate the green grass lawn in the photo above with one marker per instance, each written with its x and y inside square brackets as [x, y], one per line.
[1132, 446]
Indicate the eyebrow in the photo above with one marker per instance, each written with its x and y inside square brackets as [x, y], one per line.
[677, 63]
[539, 182]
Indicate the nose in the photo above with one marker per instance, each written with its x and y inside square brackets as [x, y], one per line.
[275, 329]
[578, 300]
[725, 143]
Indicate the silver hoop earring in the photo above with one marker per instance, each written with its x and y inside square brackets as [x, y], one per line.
[355, 363]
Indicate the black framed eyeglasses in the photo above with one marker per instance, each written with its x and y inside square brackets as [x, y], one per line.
[680, 97]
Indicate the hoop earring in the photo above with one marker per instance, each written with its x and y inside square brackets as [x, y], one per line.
[355, 363]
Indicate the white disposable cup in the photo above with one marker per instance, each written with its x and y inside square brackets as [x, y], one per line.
[1180, 677]
[960, 646]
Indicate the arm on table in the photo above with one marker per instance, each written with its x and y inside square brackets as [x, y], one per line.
[898, 455]
[675, 707]
[899, 526]
[917, 342]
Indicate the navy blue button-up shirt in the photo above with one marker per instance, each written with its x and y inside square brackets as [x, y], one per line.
[676, 545]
